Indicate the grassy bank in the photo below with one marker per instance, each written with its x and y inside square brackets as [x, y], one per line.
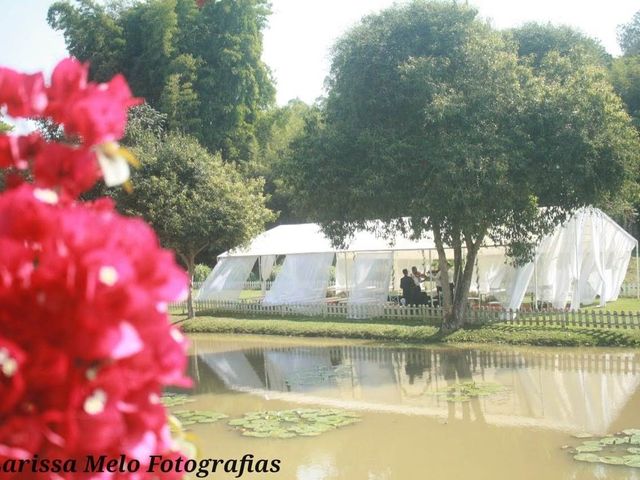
[413, 333]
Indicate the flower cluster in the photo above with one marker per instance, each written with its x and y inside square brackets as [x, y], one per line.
[85, 343]
[95, 115]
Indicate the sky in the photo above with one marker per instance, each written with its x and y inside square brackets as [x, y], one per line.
[298, 41]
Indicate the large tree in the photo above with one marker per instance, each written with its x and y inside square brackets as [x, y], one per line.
[535, 40]
[431, 115]
[629, 36]
[275, 133]
[196, 203]
[201, 66]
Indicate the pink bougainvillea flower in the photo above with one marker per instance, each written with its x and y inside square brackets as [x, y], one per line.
[85, 342]
[73, 170]
[23, 94]
[18, 151]
[68, 80]
[96, 113]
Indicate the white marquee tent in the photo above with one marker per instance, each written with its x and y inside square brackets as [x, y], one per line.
[585, 258]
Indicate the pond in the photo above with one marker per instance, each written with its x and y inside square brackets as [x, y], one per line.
[417, 412]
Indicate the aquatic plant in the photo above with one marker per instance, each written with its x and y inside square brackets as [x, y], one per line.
[191, 417]
[303, 422]
[175, 399]
[622, 448]
[465, 391]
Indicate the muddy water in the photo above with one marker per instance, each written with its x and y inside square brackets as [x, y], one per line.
[409, 431]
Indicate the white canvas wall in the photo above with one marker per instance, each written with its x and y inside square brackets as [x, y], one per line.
[371, 279]
[304, 278]
[227, 279]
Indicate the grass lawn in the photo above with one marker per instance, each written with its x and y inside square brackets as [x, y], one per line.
[620, 305]
[412, 333]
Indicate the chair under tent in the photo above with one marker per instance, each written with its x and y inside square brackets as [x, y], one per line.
[584, 259]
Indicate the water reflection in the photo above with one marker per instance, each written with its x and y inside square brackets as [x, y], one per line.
[571, 391]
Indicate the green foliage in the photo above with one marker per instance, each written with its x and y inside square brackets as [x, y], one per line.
[304, 422]
[625, 76]
[534, 41]
[397, 331]
[200, 67]
[143, 122]
[465, 391]
[194, 201]
[175, 399]
[619, 449]
[276, 129]
[432, 115]
[4, 126]
[629, 36]
[191, 417]
[92, 32]
[201, 272]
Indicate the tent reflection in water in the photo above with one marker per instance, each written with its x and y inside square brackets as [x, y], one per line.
[583, 259]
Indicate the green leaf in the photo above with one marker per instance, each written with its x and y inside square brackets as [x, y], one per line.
[587, 457]
[588, 448]
[291, 423]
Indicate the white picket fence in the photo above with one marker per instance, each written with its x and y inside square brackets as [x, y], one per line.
[421, 314]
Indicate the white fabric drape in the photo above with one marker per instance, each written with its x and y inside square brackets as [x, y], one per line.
[266, 266]
[304, 278]
[227, 279]
[372, 276]
[344, 271]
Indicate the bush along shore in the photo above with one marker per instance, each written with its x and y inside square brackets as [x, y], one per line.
[412, 332]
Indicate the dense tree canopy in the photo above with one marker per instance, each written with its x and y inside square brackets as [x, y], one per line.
[431, 114]
[199, 66]
[534, 41]
[625, 70]
[275, 133]
[195, 202]
[629, 36]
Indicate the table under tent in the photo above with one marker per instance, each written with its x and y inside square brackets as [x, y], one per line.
[584, 259]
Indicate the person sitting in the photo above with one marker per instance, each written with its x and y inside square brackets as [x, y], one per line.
[408, 287]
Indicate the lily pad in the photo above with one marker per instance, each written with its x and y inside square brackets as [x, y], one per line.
[612, 449]
[191, 417]
[175, 399]
[588, 448]
[632, 460]
[304, 422]
[463, 392]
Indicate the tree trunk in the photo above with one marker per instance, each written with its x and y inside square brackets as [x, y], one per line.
[444, 272]
[464, 284]
[455, 314]
[190, 261]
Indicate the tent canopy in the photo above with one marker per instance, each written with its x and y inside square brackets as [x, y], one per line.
[309, 238]
[585, 258]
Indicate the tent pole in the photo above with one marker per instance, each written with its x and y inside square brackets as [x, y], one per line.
[430, 276]
[637, 273]
[346, 275]
[393, 271]
[535, 282]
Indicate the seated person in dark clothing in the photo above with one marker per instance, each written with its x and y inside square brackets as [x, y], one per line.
[408, 287]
